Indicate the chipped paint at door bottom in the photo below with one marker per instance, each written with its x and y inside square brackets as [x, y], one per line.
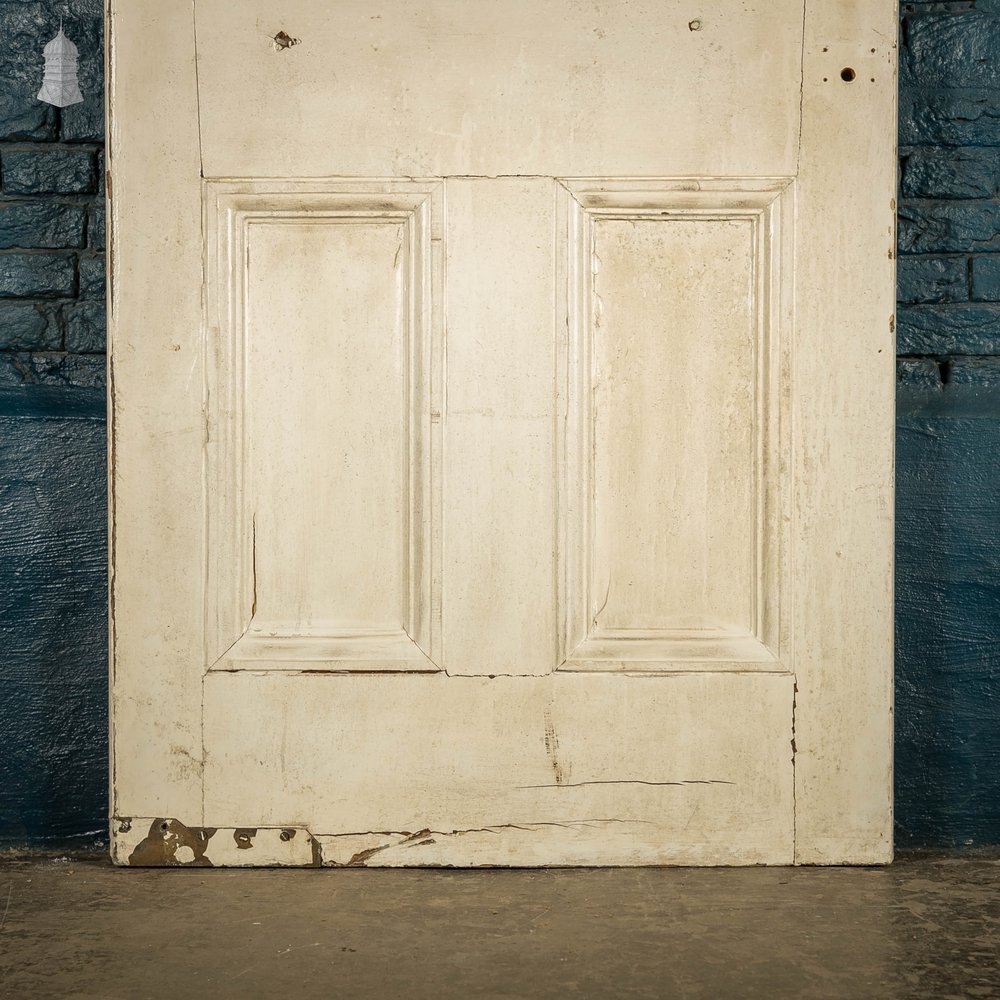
[165, 842]
[161, 842]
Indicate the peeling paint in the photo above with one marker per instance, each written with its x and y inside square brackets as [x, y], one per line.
[244, 838]
[316, 850]
[361, 857]
[490, 846]
[170, 843]
[283, 40]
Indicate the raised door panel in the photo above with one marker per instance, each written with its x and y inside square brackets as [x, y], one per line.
[323, 513]
[674, 474]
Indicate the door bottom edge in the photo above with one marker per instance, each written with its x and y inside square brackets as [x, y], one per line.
[166, 842]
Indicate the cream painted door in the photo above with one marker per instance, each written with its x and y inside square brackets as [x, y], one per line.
[502, 431]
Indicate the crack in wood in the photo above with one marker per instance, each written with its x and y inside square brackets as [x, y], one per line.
[630, 781]
[424, 837]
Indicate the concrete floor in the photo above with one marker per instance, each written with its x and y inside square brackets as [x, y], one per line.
[80, 928]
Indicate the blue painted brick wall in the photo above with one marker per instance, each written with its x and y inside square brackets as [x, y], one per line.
[948, 427]
[53, 623]
[51, 199]
[53, 748]
[53, 499]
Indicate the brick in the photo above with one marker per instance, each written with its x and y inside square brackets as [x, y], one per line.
[944, 6]
[56, 171]
[36, 275]
[85, 122]
[946, 118]
[937, 330]
[948, 227]
[95, 227]
[92, 281]
[980, 373]
[88, 371]
[25, 326]
[86, 328]
[95, 8]
[40, 225]
[26, 29]
[922, 372]
[951, 173]
[19, 119]
[953, 50]
[15, 369]
[986, 279]
[936, 279]
[82, 370]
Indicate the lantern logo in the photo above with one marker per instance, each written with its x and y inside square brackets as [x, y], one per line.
[60, 85]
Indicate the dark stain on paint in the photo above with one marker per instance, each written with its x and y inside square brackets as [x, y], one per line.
[552, 747]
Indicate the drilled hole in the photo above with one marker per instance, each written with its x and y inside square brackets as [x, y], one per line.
[847, 74]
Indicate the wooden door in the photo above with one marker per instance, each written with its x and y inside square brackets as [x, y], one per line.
[502, 432]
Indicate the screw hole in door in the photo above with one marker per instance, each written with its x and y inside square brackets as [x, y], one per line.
[847, 74]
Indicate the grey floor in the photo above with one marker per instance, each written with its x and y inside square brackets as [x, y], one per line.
[80, 928]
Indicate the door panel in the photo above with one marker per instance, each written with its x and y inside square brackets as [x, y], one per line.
[324, 355]
[619, 764]
[501, 433]
[675, 455]
[673, 389]
[431, 88]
